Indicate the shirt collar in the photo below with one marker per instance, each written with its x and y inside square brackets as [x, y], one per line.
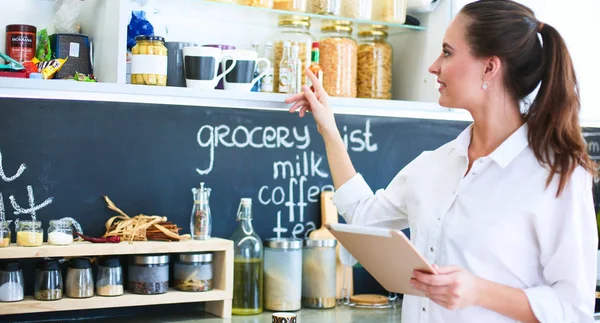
[505, 153]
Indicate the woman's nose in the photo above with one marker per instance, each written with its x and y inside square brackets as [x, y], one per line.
[435, 68]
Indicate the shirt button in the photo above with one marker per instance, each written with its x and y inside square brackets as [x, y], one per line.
[439, 219]
[431, 249]
[474, 174]
[423, 309]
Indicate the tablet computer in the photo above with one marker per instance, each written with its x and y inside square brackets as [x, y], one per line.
[387, 254]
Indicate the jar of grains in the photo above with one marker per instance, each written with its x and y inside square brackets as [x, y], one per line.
[374, 80]
[29, 233]
[339, 59]
[296, 30]
[325, 7]
[393, 11]
[358, 9]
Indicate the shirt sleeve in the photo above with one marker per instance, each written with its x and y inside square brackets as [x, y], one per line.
[568, 238]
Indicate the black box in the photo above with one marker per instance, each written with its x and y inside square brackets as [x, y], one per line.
[77, 48]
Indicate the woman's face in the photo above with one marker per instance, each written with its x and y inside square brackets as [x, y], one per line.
[459, 73]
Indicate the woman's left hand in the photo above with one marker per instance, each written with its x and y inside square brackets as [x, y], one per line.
[453, 287]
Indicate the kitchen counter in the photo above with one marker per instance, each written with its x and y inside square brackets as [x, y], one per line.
[340, 314]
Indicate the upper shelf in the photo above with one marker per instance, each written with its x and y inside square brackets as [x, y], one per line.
[403, 27]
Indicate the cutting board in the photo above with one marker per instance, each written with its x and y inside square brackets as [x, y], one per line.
[329, 214]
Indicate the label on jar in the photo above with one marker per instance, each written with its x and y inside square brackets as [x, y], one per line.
[267, 81]
[149, 64]
[285, 75]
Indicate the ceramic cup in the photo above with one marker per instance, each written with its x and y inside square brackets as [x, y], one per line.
[284, 318]
[201, 65]
[241, 78]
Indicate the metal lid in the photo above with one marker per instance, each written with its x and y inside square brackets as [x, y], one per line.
[375, 32]
[283, 243]
[149, 38]
[195, 257]
[80, 263]
[150, 259]
[21, 28]
[10, 266]
[293, 20]
[320, 243]
[112, 262]
[339, 26]
[246, 201]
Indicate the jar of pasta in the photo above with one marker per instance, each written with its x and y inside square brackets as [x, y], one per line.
[339, 59]
[296, 30]
[325, 7]
[358, 9]
[393, 11]
[149, 61]
[256, 3]
[374, 80]
[291, 5]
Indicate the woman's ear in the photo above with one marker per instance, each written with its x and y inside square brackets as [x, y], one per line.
[492, 67]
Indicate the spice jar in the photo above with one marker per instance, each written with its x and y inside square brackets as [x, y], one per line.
[109, 281]
[194, 272]
[80, 283]
[11, 282]
[29, 233]
[393, 11]
[60, 232]
[4, 233]
[20, 42]
[325, 7]
[283, 274]
[339, 59]
[296, 30]
[374, 79]
[291, 5]
[318, 270]
[149, 61]
[149, 274]
[48, 281]
[358, 9]
[256, 3]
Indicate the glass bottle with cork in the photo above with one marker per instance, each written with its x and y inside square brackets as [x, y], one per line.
[247, 264]
[201, 222]
[315, 67]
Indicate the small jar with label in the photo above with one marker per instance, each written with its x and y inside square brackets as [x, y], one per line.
[148, 274]
[4, 234]
[318, 270]
[29, 233]
[194, 272]
[109, 281]
[79, 282]
[48, 281]
[11, 282]
[60, 232]
[283, 274]
[149, 61]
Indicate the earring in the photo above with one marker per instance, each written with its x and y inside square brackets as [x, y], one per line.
[485, 85]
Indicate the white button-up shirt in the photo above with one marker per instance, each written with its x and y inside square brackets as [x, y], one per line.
[499, 221]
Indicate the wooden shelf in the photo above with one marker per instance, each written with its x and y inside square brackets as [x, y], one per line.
[122, 248]
[29, 305]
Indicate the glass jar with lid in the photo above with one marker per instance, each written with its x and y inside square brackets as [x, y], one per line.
[148, 274]
[48, 281]
[29, 233]
[79, 282]
[109, 281]
[193, 272]
[283, 274]
[339, 59]
[149, 61]
[256, 3]
[5, 233]
[357, 9]
[319, 273]
[375, 55]
[296, 30]
[60, 232]
[325, 7]
[11, 282]
[291, 5]
[393, 11]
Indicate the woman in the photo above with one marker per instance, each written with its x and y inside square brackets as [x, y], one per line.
[504, 211]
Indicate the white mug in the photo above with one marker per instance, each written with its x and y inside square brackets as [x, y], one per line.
[241, 78]
[201, 65]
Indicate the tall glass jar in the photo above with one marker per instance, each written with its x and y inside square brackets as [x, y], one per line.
[374, 80]
[358, 9]
[29, 233]
[393, 11]
[339, 59]
[60, 232]
[247, 264]
[149, 61]
[296, 30]
[283, 274]
[325, 7]
[48, 281]
[318, 271]
[4, 234]
[256, 3]
[11, 282]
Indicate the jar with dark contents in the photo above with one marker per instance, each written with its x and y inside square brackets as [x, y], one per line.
[148, 274]
[20, 42]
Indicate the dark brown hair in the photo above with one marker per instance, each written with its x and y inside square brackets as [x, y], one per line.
[509, 31]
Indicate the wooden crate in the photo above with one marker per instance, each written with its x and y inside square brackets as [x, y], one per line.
[218, 301]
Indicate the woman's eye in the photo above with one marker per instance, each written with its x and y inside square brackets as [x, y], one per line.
[446, 53]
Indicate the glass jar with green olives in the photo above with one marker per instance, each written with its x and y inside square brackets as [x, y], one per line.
[149, 61]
